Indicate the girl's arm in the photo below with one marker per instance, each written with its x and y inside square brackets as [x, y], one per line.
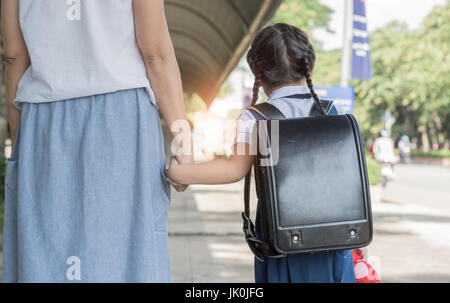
[17, 59]
[219, 171]
[154, 41]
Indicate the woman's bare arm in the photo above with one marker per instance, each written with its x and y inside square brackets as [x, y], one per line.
[16, 57]
[219, 171]
[153, 37]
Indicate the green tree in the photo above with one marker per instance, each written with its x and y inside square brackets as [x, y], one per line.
[225, 90]
[327, 68]
[411, 78]
[305, 14]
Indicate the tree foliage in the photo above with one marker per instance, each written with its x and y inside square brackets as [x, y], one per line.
[307, 15]
[327, 68]
[411, 78]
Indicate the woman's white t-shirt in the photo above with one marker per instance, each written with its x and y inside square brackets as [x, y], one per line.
[79, 48]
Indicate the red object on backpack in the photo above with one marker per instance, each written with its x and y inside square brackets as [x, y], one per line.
[364, 272]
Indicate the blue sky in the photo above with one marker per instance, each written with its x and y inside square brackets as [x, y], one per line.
[379, 13]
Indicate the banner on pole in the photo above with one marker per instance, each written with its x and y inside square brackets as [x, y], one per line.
[361, 64]
[342, 97]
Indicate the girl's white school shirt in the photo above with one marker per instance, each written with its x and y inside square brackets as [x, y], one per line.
[291, 108]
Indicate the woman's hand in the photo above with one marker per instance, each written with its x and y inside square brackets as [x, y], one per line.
[171, 174]
[158, 54]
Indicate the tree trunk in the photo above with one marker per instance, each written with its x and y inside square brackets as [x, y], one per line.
[425, 141]
[438, 128]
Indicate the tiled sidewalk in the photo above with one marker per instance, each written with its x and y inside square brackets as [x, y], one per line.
[411, 243]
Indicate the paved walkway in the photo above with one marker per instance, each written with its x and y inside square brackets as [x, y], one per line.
[411, 239]
[206, 242]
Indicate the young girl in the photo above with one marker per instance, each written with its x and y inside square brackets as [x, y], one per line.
[282, 60]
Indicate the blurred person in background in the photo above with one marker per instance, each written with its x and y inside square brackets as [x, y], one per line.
[404, 147]
[383, 151]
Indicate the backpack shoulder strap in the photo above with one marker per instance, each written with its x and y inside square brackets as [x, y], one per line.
[267, 111]
[315, 110]
[261, 249]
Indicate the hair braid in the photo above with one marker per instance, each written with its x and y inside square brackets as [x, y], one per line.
[256, 86]
[311, 88]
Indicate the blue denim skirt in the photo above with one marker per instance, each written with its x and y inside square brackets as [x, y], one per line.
[86, 193]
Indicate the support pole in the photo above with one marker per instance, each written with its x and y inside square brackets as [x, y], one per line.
[346, 64]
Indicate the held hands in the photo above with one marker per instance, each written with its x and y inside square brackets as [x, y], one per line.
[171, 172]
[184, 155]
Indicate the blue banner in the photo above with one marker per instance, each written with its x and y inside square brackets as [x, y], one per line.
[343, 97]
[361, 65]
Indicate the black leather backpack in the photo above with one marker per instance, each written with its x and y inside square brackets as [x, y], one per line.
[314, 195]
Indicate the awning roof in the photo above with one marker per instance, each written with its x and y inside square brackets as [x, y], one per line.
[210, 36]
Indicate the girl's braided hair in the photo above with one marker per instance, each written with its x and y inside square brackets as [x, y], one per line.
[280, 54]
